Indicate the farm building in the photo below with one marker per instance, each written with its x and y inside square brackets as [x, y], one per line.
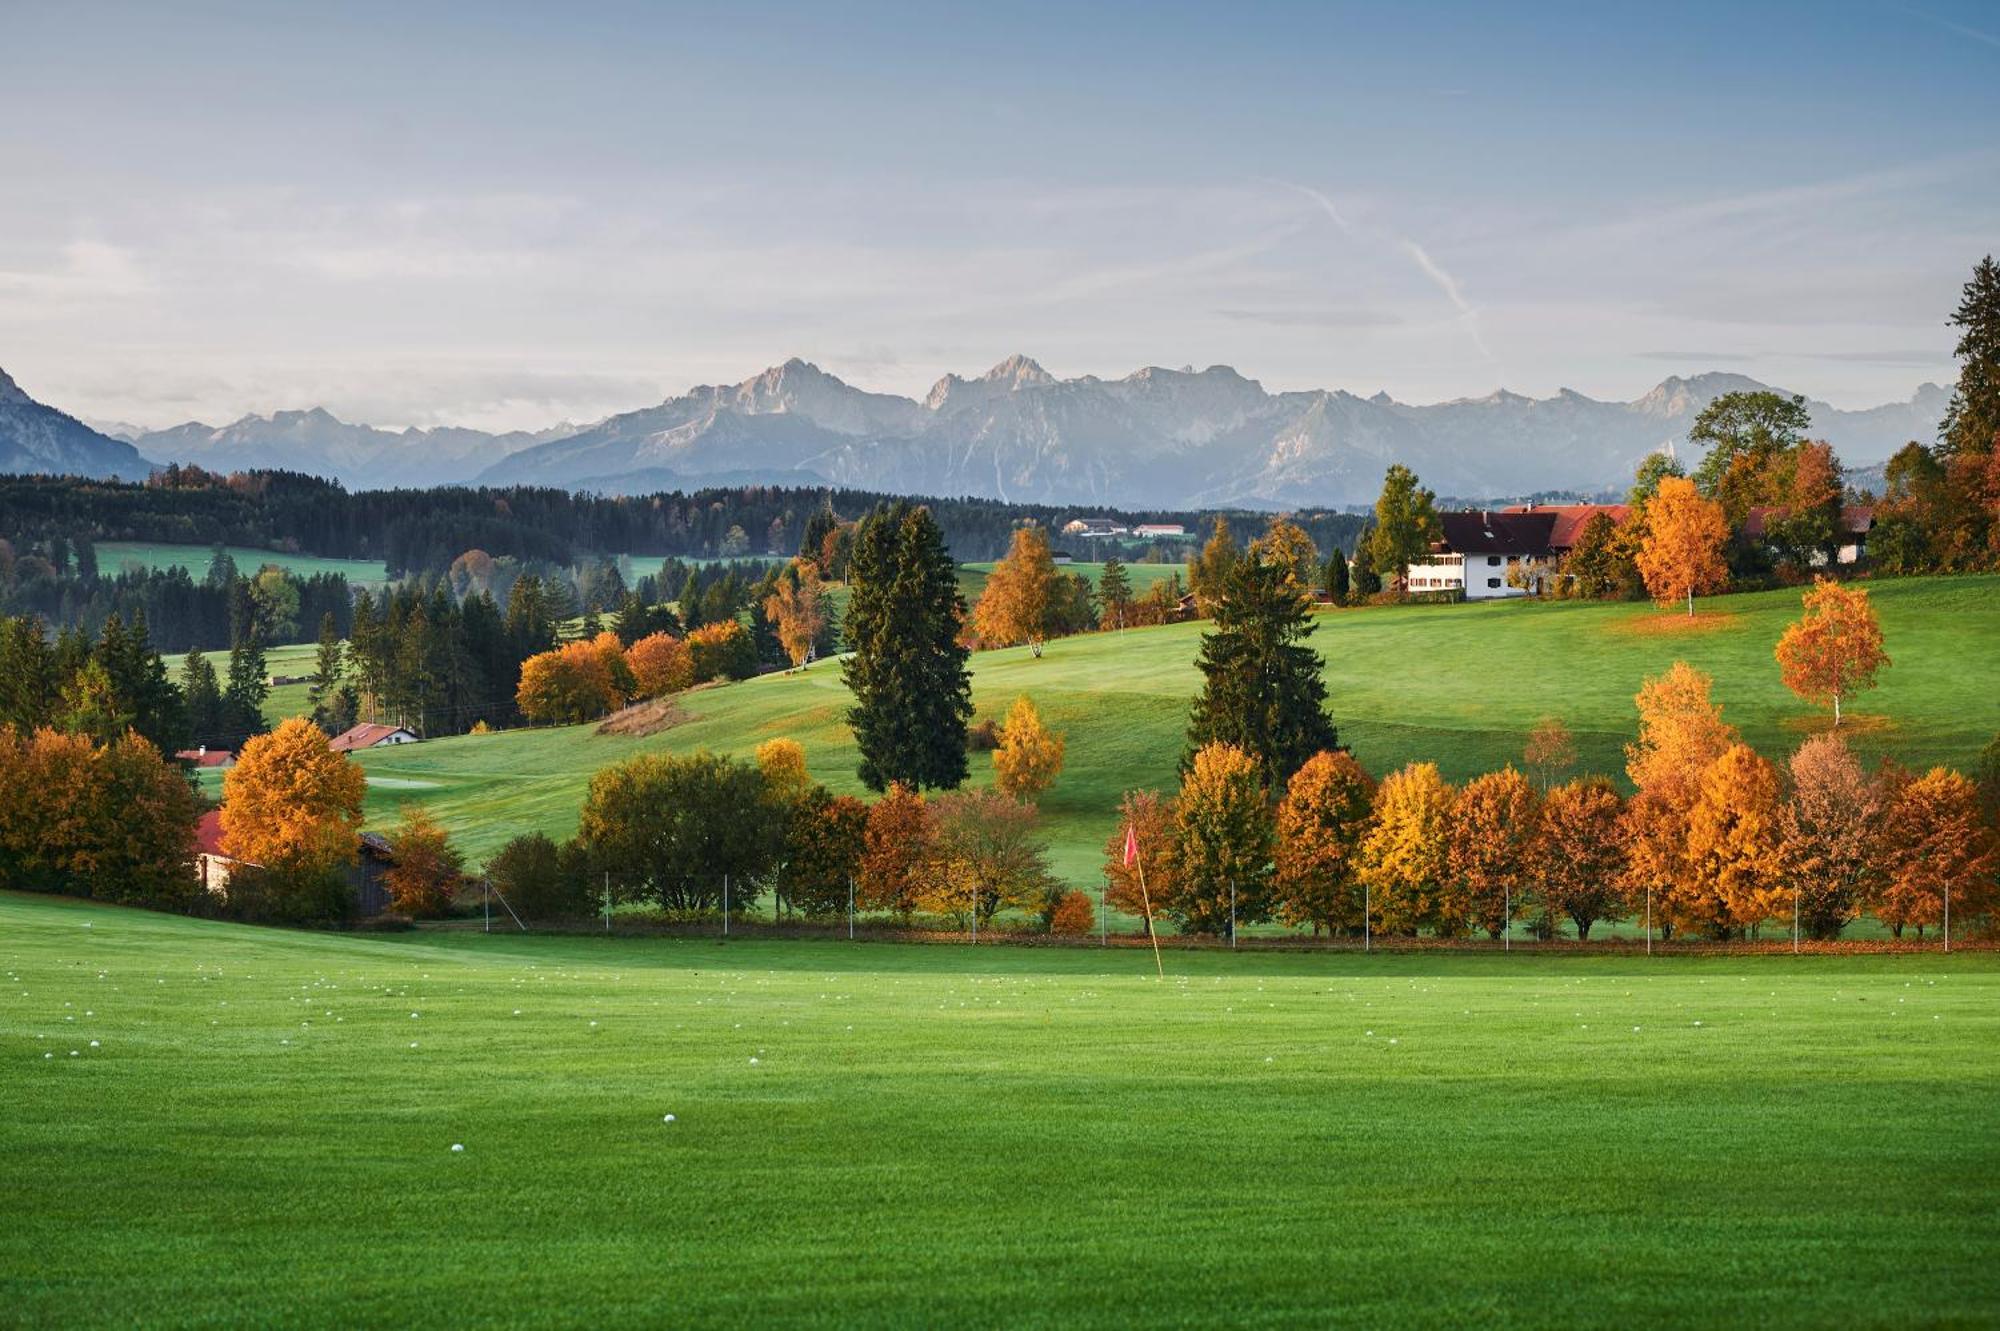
[207, 757]
[1856, 521]
[1159, 529]
[371, 736]
[1093, 527]
[373, 858]
[1479, 549]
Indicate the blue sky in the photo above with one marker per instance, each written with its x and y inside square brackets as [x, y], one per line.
[509, 215]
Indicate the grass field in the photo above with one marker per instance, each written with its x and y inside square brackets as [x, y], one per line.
[257, 1128]
[115, 555]
[972, 577]
[1458, 684]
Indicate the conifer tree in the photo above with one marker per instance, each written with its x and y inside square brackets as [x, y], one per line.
[1263, 692]
[203, 693]
[1114, 593]
[1972, 420]
[326, 669]
[243, 699]
[912, 690]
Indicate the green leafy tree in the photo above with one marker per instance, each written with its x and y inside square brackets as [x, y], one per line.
[912, 689]
[1406, 523]
[1972, 420]
[1646, 482]
[1749, 437]
[670, 827]
[1262, 690]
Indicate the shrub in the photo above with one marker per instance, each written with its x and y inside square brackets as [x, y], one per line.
[307, 894]
[1073, 916]
[531, 875]
[425, 869]
[983, 736]
[722, 651]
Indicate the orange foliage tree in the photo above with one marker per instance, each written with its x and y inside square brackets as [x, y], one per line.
[1322, 822]
[291, 802]
[1405, 859]
[425, 868]
[897, 857]
[1827, 832]
[988, 857]
[1223, 833]
[1733, 841]
[1490, 848]
[1682, 554]
[1287, 545]
[1030, 756]
[1579, 858]
[1150, 817]
[578, 681]
[722, 650]
[1014, 607]
[114, 822]
[1681, 734]
[1073, 916]
[825, 839]
[660, 664]
[1936, 843]
[1835, 649]
[797, 606]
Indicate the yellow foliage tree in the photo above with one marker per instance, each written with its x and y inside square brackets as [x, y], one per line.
[660, 664]
[291, 802]
[1287, 545]
[1223, 833]
[783, 763]
[798, 608]
[1550, 751]
[1030, 756]
[1150, 818]
[1733, 844]
[578, 681]
[1681, 734]
[1322, 821]
[1405, 859]
[1494, 825]
[1014, 607]
[1835, 649]
[1682, 555]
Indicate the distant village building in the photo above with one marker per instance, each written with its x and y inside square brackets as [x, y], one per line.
[371, 736]
[207, 757]
[1093, 527]
[1159, 529]
[1062, 556]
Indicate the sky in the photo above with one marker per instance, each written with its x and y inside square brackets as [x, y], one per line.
[511, 215]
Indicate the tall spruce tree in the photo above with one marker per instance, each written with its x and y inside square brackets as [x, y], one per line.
[912, 690]
[1263, 691]
[1114, 593]
[204, 701]
[243, 699]
[326, 669]
[1972, 420]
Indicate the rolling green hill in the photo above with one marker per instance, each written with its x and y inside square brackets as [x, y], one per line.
[257, 1127]
[1457, 684]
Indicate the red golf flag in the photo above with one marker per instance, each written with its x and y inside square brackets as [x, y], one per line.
[1131, 846]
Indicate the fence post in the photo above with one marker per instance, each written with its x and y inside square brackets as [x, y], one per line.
[850, 908]
[1947, 917]
[1103, 920]
[607, 901]
[1367, 918]
[1507, 922]
[725, 905]
[1795, 921]
[1232, 915]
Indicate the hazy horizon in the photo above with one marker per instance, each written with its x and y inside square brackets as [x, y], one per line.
[504, 217]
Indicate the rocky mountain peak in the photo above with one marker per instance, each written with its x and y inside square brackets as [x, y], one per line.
[1019, 371]
[11, 391]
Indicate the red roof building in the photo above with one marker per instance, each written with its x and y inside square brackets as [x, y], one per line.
[371, 736]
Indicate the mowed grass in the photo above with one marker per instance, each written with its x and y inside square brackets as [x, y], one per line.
[1459, 685]
[115, 555]
[898, 1134]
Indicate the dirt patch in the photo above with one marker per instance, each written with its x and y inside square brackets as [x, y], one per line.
[645, 718]
[1677, 624]
[1851, 723]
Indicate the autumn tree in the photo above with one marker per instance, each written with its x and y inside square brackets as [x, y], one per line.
[1682, 555]
[1073, 916]
[1223, 833]
[912, 691]
[722, 649]
[1321, 823]
[825, 838]
[1733, 843]
[1936, 844]
[1550, 751]
[1579, 858]
[1681, 734]
[897, 857]
[1263, 690]
[579, 681]
[114, 822]
[1150, 819]
[989, 856]
[1287, 545]
[1835, 648]
[1750, 437]
[291, 803]
[1030, 756]
[1489, 849]
[538, 881]
[1807, 527]
[1019, 592]
[660, 664]
[1406, 857]
[1828, 856]
[798, 607]
[425, 869]
[1208, 572]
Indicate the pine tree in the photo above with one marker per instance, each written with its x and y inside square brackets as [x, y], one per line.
[912, 690]
[1114, 592]
[326, 671]
[139, 678]
[1972, 420]
[204, 700]
[243, 699]
[28, 679]
[1335, 581]
[1263, 692]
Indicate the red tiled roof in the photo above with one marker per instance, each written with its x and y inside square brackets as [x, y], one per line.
[1571, 519]
[1493, 532]
[208, 833]
[207, 757]
[364, 736]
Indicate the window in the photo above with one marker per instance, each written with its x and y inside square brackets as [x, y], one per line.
[1513, 560]
[1493, 561]
[1493, 582]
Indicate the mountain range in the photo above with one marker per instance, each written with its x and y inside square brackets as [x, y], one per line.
[35, 438]
[1157, 438]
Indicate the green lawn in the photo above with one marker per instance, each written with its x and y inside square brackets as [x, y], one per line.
[1457, 684]
[115, 555]
[257, 1128]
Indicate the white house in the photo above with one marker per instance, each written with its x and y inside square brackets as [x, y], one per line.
[1093, 527]
[369, 736]
[1479, 550]
[1159, 529]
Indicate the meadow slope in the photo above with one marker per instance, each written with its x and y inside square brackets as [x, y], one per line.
[1456, 684]
[256, 1127]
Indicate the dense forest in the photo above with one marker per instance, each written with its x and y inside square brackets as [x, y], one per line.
[423, 531]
